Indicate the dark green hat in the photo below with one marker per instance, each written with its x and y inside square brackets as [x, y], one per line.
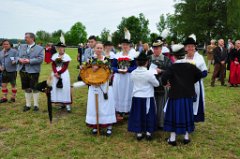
[60, 44]
[189, 41]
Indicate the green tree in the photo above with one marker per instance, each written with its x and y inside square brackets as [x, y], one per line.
[137, 26]
[43, 37]
[104, 35]
[206, 19]
[76, 35]
[55, 38]
[162, 24]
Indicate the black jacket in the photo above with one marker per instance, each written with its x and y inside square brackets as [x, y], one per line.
[182, 77]
[220, 55]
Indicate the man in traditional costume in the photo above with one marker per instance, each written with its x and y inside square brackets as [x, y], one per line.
[8, 67]
[210, 49]
[220, 59]
[89, 52]
[30, 58]
[160, 63]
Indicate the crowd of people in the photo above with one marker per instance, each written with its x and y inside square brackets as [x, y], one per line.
[158, 88]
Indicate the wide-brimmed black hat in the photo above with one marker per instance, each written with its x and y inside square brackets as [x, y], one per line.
[108, 43]
[126, 41]
[178, 50]
[142, 57]
[189, 41]
[60, 44]
[157, 43]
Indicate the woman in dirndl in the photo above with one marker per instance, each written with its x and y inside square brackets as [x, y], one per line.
[106, 110]
[143, 114]
[61, 87]
[199, 102]
[122, 84]
[181, 76]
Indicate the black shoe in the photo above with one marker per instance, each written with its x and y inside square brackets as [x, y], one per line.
[109, 132]
[35, 109]
[173, 143]
[25, 108]
[3, 100]
[139, 138]
[12, 100]
[148, 137]
[223, 84]
[185, 141]
[94, 131]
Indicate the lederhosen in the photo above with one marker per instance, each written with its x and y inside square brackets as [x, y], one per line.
[28, 80]
[8, 77]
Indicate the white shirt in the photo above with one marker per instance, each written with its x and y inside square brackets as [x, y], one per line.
[144, 82]
[30, 46]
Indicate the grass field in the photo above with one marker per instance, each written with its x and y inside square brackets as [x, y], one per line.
[29, 135]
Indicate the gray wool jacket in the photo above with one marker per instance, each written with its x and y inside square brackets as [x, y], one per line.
[7, 58]
[35, 55]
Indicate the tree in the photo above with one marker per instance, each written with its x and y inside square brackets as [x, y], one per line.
[43, 36]
[137, 26]
[162, 24]
[233, 14]
[76, 35]
[56, 36]
[206, 19]
[104, 35]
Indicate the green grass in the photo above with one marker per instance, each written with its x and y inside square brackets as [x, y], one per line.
[29, 135]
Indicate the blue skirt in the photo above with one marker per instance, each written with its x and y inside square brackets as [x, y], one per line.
[179, 116]
[200, 117]
[139, 121]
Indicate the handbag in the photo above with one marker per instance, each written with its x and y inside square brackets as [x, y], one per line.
[59, 83]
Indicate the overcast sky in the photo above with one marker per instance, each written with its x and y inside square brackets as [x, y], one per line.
[20, 16]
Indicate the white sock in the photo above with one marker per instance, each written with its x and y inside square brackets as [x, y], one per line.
[35, 99]
[186, 136]
[139, 134]
[172, 136]
[28, 97]
[148, 134]
[68, 107]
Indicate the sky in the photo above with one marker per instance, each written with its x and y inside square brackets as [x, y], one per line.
[20, 16]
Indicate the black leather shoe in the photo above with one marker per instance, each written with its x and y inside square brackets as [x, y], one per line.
[12, 100]
[25, 108]
[94, 131]
[185, 141]
[35, 109]
[148, 137]
[173, 143]
[109, 132]
[3, 100]
[139, 138]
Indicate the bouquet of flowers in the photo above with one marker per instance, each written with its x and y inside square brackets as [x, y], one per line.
[58, 61]
[124, 63]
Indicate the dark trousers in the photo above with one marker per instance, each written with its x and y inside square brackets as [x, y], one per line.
[220, 70]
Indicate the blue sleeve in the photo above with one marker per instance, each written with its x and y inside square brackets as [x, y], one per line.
[115, 66]
[133, 66]
[204, 74]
